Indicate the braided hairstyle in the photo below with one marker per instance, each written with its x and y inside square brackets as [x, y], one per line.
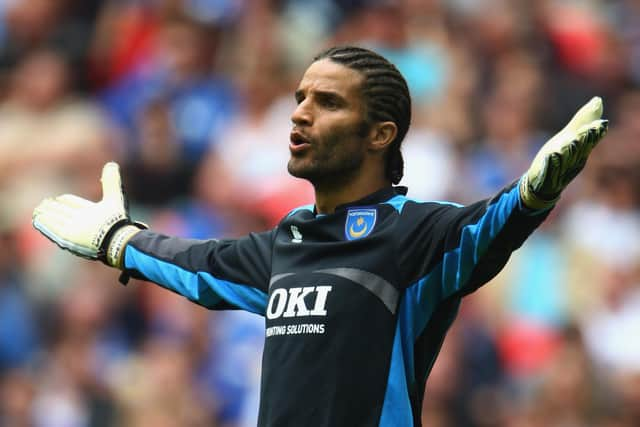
[386, 96]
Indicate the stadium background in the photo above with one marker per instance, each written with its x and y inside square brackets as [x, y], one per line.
[193, 98]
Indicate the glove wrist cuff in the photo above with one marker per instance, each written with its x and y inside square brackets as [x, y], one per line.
[115, 250]
[531, 200]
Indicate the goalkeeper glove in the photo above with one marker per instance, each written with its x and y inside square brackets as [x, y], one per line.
[96, 231]
[563, 157]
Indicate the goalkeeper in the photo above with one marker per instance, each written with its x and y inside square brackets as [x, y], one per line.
[358, 289]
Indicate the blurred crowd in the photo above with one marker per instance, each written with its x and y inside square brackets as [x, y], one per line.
[193, 98]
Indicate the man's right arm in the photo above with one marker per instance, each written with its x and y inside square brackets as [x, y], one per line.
[214, 273]
[217, 274]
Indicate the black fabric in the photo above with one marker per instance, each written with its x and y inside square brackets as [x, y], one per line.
[329, 334]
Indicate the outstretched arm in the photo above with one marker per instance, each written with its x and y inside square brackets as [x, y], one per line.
[214, 273]
[465, 247]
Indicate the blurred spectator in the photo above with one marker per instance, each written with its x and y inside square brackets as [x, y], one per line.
[155, 388]
[72, 388]
[49, 138]
[570, 392]
[122, 42]
[180, 72]
[254, 146]
[45, 24]
[159, 173]
[17, 388]
[508, 115]
[625, 20]
[19, 340]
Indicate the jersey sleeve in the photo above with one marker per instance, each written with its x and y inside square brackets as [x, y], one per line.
[217, 274]
[449, 249]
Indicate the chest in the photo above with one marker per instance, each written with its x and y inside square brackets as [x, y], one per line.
[319, 272]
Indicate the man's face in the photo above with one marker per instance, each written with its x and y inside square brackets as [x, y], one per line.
[328, 141]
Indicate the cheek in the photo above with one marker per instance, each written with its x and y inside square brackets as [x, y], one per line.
[346, 132]
[340, 142]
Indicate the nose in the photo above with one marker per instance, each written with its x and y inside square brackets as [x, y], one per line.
[302, 115]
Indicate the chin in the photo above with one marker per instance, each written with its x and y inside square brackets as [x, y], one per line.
[297, 170]
[300, 169]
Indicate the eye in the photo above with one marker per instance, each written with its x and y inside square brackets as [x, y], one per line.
[329, 102]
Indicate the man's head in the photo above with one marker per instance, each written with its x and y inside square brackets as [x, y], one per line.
[353, 104]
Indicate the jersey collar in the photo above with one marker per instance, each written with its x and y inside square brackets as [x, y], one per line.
[374, 198]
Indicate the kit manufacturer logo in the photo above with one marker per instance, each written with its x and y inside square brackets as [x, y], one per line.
[297, 236]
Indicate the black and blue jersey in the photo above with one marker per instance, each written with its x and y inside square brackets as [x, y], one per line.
[356, 303]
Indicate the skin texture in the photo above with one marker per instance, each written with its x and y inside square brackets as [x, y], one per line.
[342, 155]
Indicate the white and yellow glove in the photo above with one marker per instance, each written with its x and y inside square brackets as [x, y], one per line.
[96, 231]
[563, 157]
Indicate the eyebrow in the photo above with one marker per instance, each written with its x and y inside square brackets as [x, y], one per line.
[326, 94]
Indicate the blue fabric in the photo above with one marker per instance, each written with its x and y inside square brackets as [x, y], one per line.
[422, 298]
[474, 241]
[539, 294]
[200, 287]
[18, 329]
[396, 409]
[399, 201]
[198, 109]
[425, 66]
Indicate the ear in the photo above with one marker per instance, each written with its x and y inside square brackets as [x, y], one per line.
[381, 135]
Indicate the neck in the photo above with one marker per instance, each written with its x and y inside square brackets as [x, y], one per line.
[328, 196]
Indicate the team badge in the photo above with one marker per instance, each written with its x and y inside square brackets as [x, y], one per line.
[360, 223]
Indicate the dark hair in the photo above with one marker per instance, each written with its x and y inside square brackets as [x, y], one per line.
[386, 96]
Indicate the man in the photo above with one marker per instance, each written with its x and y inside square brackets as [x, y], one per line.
[359, 289]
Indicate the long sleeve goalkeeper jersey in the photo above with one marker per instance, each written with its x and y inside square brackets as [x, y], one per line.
[356, 303]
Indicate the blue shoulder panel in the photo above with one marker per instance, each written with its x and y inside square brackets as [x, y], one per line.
[399, 201]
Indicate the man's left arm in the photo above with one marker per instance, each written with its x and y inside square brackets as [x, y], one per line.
[482, 237]
[467, 246]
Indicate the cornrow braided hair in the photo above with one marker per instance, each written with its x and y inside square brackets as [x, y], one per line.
[386, 96]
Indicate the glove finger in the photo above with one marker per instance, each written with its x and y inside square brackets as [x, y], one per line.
[601, 128]
[74, 201]
[546, 184]
[112, 183]
[589, 112]
[592, 134]
[51, 224]
[556, 165]
[53, 206]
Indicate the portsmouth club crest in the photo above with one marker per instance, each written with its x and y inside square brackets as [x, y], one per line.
[360, 223]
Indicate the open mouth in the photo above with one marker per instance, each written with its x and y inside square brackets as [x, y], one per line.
[298, 142]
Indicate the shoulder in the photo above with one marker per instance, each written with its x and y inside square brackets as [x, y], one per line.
[401, 203]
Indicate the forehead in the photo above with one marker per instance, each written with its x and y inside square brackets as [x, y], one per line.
[326, 75]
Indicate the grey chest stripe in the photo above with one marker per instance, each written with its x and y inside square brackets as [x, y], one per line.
[371, 282]
[277, 277]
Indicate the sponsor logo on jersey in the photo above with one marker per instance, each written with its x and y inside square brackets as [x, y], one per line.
[298, 302]
[360, 223]
[292, 302]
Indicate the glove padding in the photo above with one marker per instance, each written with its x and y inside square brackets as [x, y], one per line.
[85, 228]
[563, 157]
